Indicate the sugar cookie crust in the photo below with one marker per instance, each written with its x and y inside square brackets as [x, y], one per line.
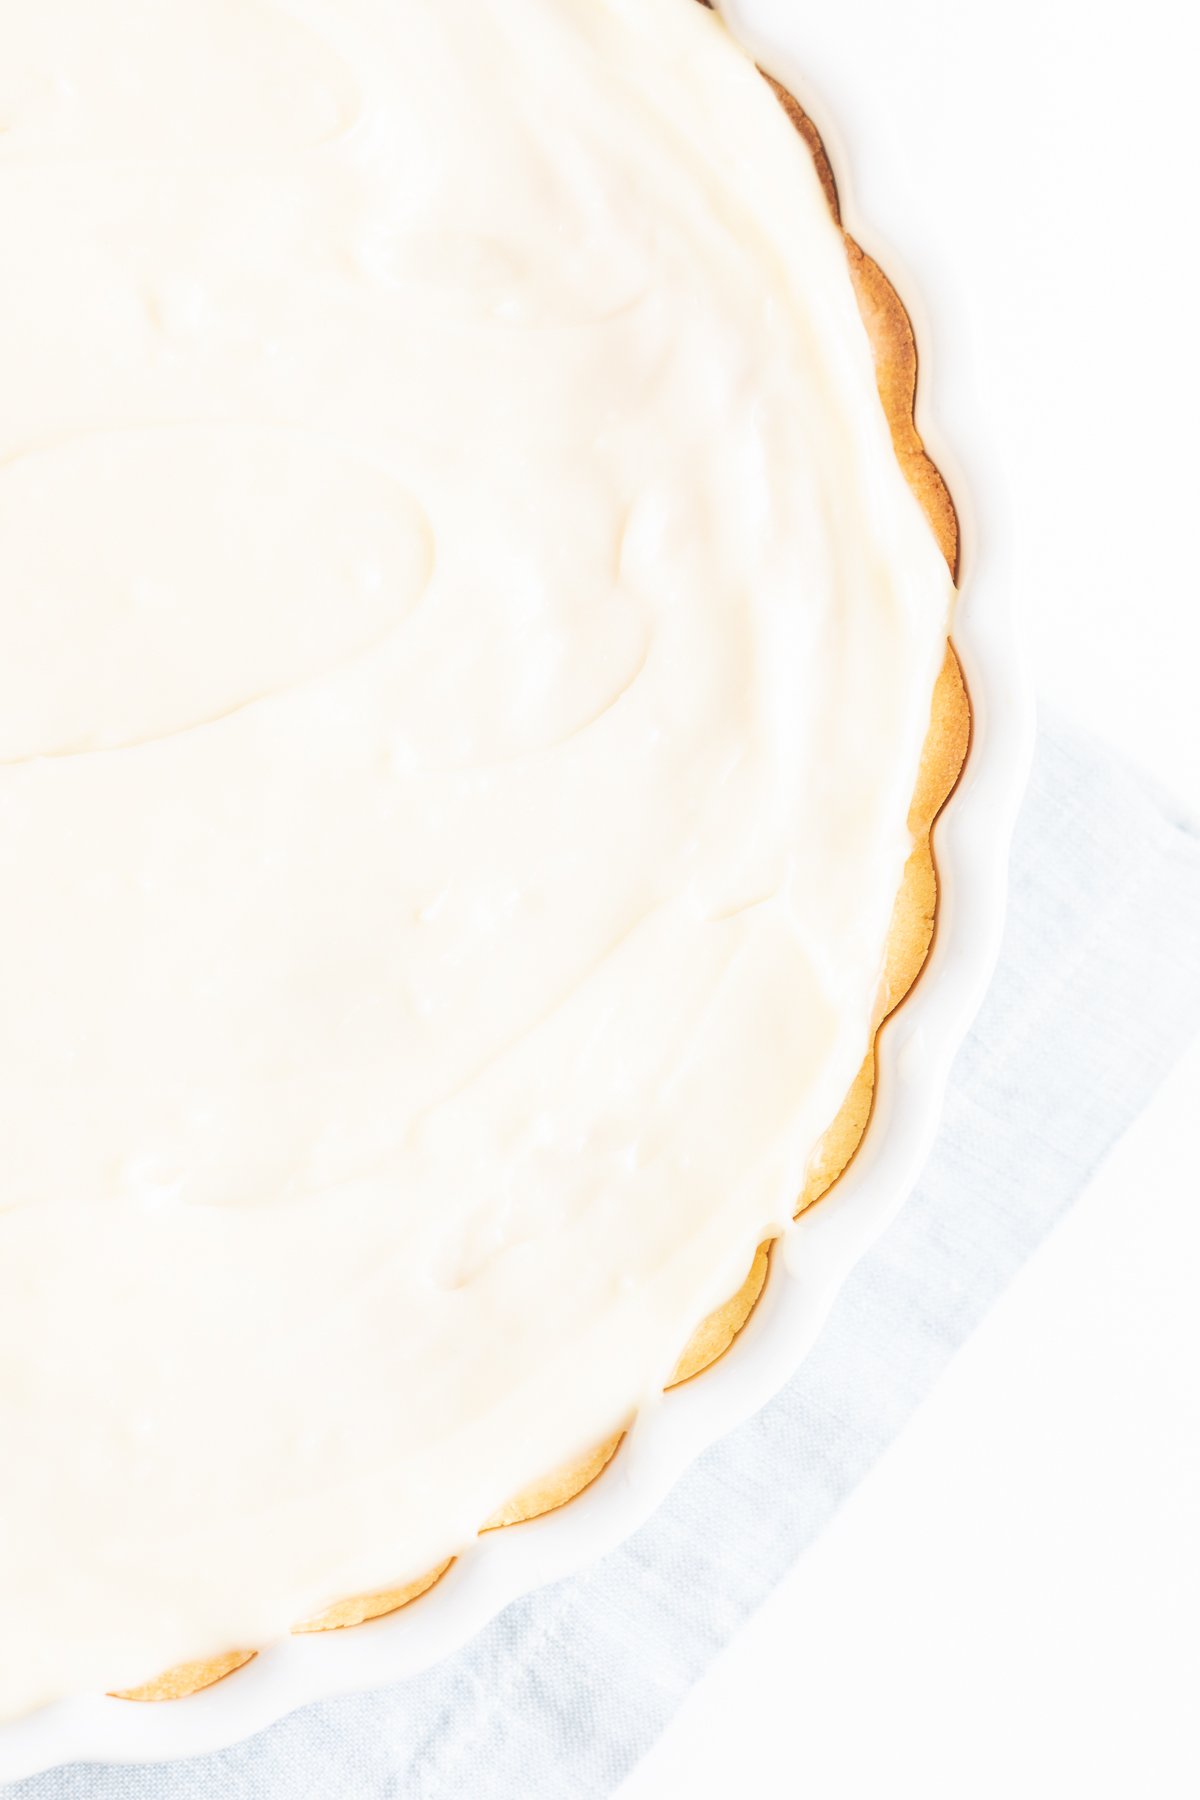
[910, 935]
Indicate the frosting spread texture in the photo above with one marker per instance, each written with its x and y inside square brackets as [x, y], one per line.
[465, 650]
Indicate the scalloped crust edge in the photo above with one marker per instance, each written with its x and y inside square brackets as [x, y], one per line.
[909, 938]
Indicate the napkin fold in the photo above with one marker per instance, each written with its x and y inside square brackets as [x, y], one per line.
[1096, 995]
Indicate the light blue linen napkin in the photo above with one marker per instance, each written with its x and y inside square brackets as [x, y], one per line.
[1096, 995]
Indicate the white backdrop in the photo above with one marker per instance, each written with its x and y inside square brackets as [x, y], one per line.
[1008, 1604]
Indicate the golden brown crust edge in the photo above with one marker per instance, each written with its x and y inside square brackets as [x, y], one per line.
[909, 937]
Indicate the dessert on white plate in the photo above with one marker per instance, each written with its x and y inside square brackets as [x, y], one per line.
[467, 647]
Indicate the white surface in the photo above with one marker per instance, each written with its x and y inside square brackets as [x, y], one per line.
[1007, 1605]
[1032, 168]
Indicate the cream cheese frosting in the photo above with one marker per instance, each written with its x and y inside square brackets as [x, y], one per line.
[465, 650]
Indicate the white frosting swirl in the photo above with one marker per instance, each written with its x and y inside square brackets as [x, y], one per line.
[465, 650]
